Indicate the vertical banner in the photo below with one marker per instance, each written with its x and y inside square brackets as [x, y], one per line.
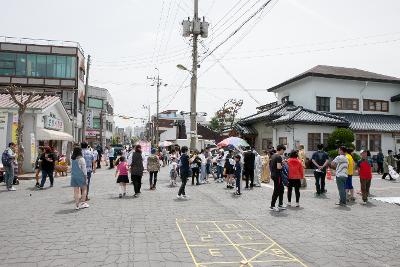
[14, 128]
[146, 150]
[33, 148]
[3, 129]
[89, 119]
[64, 147]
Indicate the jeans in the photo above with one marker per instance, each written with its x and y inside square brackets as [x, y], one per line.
[203, 174]
[183, 185]
[249, 176]
[341, 184]
[294, 183]
[365, 185]
[89, 176]
[9, 175]
[195, 174]
[319, 181]
[137, 183]
[220, 172]
[208, 168]
[46, 173]
[278, 191]
[380, 167]
[153, 179]
[111, 162]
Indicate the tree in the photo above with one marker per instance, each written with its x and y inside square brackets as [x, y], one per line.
[340, 137]
[214, 124]
[22, 100]
[227, 114]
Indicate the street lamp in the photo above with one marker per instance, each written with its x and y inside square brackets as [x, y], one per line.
[180, 66]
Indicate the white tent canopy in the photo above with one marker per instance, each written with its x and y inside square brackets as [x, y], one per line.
[46, 134]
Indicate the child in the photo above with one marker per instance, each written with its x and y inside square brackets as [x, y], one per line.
[173, 173]
[364, 166]
[238, 174]
[122, 174]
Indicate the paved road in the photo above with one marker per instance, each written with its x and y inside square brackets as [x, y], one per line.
[212, 228]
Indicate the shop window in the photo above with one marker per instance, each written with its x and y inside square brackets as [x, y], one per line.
[314, 139]
[266, 143]
[325, 138]
[361, 141]
[347, 104]
[323, 103]
[96, 123]
[375, 105]
[375, 142]
[95, 103]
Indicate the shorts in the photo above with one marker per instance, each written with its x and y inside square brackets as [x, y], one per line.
[349, 182]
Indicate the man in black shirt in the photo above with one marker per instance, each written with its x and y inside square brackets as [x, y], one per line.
[320, 159]
[248, 168]
[276, 165]
[48, 161]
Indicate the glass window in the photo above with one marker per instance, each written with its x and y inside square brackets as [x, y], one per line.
[375, 105]
[70, 67]
[96, 123]
[31, 65]
[314, 139]
[266, 143]
[361, 142]
[51, 66]
[325, 138]
[374, 142]
[61, 64]
[40, 66]
[7, 63]
[347, 104]
[21, 65]
[323, 103]
[283, 141]
[95, 103]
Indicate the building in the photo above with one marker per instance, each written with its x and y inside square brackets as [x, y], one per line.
[140, 132]
[46, 123]
[311, 105]
[56, 67]
[100, 119]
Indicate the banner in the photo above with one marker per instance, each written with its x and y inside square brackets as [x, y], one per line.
[14, 128]
[89, 119]
[33, 148]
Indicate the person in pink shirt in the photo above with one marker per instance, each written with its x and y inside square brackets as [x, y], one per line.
[122, 174]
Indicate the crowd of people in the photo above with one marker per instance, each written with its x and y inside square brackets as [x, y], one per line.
[230, 165]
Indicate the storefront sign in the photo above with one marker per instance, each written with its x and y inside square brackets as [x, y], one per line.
[92, 133]
[33, 148]
[50, 122]
[89, 118]
[14, 128]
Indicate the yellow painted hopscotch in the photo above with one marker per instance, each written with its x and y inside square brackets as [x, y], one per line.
[232, 243]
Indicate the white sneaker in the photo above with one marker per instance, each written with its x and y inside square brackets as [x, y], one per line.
[77, 207]
[274, 209]
[84, 205]
[289, 204]
[297, 205]
[281, 207]
[12, 189]
[364, 203]
[179, 197]
[185, 196]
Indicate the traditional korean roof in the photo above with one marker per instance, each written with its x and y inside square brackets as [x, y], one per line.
[395, 98]
[273, 111]
[305, 116]
[47, 101]
[245, 129]
[372, 122]
[339, 73]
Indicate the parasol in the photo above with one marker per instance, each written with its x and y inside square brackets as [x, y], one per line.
[233, 141]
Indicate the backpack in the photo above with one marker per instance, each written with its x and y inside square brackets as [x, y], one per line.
[6, 160]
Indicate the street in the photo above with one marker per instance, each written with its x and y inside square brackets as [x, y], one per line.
[211, 228]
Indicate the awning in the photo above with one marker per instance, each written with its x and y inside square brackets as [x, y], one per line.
[46, 134]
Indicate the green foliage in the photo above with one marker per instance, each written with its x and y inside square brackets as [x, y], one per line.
[115, 140]
[356, 157]
[340, 137]
[214, 124]
[333, 153]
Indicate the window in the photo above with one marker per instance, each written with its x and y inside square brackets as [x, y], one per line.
[35, 65]
[96, 123]
[347, 104]
[325, 138]
[314, 139]
[283, 141]
[323, 103]
[374, 142]
[266, 143]
[361, 141]
[95, 103]
[375, 105]
[285, 99]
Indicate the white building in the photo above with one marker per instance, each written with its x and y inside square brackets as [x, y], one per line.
[46, 123]
[312, 104]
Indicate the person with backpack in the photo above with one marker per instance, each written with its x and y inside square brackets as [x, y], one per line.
[137, 169]
[184, 166]
[296, 173]
[8, 160]
[320, 159]
[78, 178]
[90, 160]
[276, 166]
[153, 167]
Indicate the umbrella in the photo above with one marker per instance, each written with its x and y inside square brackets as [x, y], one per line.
[233, 141]
[165, 143]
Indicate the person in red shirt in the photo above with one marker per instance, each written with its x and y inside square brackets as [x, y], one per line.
[364, 166]
[296, 173]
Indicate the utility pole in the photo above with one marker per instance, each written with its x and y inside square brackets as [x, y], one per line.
[84, 122]
[194, 28]
[158, 82]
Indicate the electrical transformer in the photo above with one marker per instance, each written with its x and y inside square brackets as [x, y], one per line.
[204, 28]
[186, 28]
[196, 28]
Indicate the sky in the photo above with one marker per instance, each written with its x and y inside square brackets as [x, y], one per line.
[128, 39]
